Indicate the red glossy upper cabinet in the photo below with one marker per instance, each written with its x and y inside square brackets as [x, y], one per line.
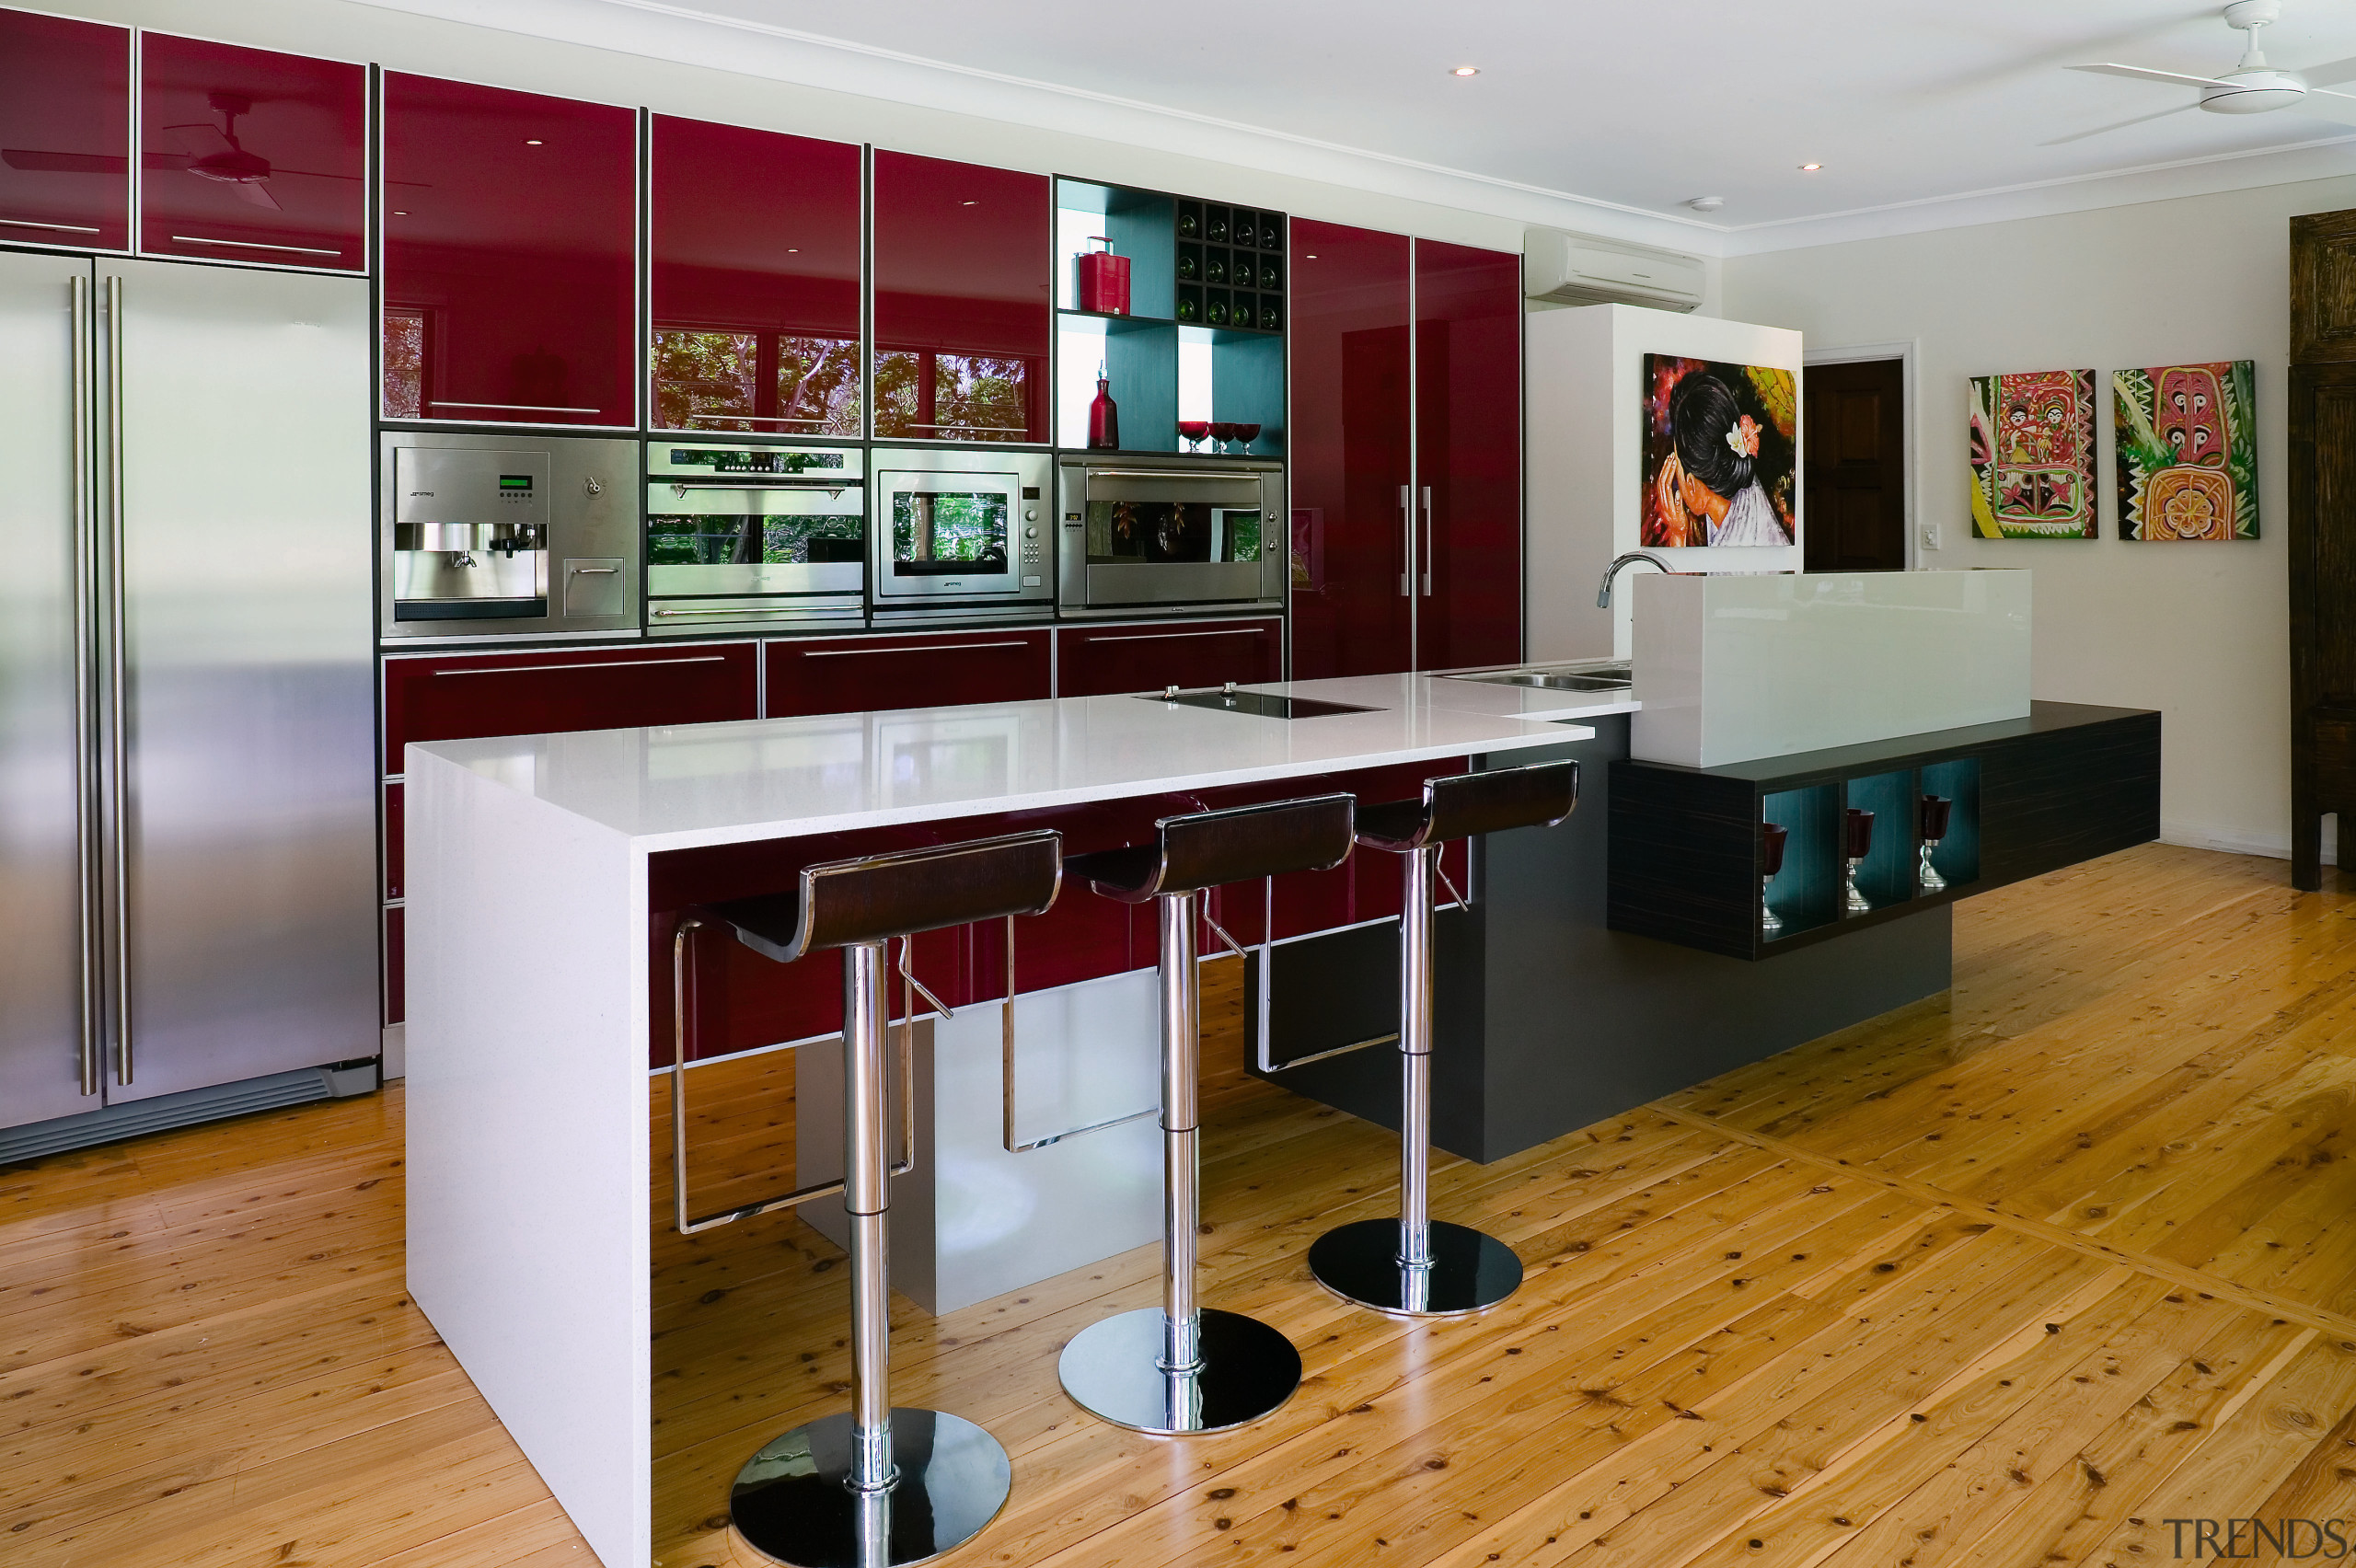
[1468, 455]
[250, 155]
[64, 132]
[962, 301]
[1349, 436]
[510, 256]
[755, 264]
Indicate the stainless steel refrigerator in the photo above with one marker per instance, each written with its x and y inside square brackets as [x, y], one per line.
[187, 760]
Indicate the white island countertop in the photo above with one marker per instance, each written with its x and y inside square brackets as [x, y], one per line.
[687, 786]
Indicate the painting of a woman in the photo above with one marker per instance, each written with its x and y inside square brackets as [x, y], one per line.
[1719, 449]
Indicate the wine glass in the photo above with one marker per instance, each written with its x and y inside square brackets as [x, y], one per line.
[1246, 435]
[1194, 431]
[1222, 433]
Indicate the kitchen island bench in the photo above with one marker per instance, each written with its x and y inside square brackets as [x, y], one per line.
[544, 872]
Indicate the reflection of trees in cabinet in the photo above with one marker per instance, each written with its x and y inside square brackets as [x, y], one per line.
[251, 156]
[64, 132]
[755, 251]
[962, 301]
[510, 246]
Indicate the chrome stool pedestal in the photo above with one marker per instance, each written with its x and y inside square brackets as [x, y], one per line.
[875, 1486]
[1415, 1265]
[1183, 1367]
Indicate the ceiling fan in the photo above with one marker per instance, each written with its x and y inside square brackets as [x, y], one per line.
[2251, 88]
[207, 151]
[214, 152]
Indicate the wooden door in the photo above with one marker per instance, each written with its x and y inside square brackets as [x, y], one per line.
[2322, 536]
[1856, 466]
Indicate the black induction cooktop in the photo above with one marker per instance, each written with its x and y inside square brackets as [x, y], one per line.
[1263, 704]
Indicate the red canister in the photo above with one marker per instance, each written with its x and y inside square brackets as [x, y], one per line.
[1103, 279]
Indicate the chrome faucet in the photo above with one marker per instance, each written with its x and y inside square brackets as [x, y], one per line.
[1619, 564]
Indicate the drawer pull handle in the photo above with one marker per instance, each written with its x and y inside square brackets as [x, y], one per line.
[601, 664]
[922, 648]
[790, 610]
[1168, 636]
[594, 570]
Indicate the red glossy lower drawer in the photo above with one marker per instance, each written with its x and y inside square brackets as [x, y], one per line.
[1099, 661]
[542, 690]
[865, 674]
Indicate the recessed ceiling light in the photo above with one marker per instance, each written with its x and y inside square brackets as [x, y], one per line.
[1707, 203]
[1466, 71]
[1811, 168]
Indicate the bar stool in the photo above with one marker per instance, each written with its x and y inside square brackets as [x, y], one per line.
[1415, 1265]
[1182, 1368]
[874, 1487]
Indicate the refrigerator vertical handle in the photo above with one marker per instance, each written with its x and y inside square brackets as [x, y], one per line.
[1406, 540]
[86, 768]
[1426, 559]
[115, 696]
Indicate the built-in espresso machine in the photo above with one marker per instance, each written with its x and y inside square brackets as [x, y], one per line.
[1168, 534]
[499, 535]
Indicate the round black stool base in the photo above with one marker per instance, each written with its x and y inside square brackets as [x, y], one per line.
[1470, 1272]
[1110, 1370]
[792, 1505]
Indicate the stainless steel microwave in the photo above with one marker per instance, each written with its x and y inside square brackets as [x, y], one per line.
[1168, 532]
[960, 533]
[741, 536]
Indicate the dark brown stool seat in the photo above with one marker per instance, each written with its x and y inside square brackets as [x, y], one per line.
[1415, 1265]
[875, 1487]
[1182, 1368]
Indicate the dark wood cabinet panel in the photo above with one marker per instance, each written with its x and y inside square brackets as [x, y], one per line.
[247, 154]
[2323, 288]
[64, 131]
[1101, 660]
[511, 224]
[856, 674]
[543, 690]
[963, 294]
[2032, 795]
[1468, 455]
[753, 261]
[1350, 435]
[2322, 536]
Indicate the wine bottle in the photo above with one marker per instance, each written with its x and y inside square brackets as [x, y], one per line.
[1188, 265]
[1215, 270]
[1103, 416]
[1188, 308]
[1189, 226]
[1218, 229]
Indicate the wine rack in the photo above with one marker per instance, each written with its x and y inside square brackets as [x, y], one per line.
[1230, 267]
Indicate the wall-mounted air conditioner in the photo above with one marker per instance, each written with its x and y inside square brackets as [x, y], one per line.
[1570, 269]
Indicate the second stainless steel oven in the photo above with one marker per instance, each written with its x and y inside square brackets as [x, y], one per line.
[741, 536]
[1168, 532]
[962, 533]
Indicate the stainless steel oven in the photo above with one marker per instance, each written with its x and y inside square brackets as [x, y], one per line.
[741, 536]
[961, 534]
[1168, 532]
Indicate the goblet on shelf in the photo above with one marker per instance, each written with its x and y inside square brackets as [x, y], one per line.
[1936, 810]
[1856, 843]
[1771, 862]
[1194, 431]
[1222, 432]
[1245, 434]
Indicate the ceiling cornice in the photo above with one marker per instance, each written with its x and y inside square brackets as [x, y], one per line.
[685, 35]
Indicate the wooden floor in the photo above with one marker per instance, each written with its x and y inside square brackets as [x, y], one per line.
[2010, 1282]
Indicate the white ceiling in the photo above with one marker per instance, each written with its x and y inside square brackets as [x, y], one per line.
[1639, 104]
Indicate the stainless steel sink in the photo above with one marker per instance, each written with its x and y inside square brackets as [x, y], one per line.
[1580, 677]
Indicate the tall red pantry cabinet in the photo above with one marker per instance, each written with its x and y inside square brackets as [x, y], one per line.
[1407, 453]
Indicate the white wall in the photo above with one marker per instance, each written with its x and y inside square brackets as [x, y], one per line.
[1584, 458]
[2198, 632]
